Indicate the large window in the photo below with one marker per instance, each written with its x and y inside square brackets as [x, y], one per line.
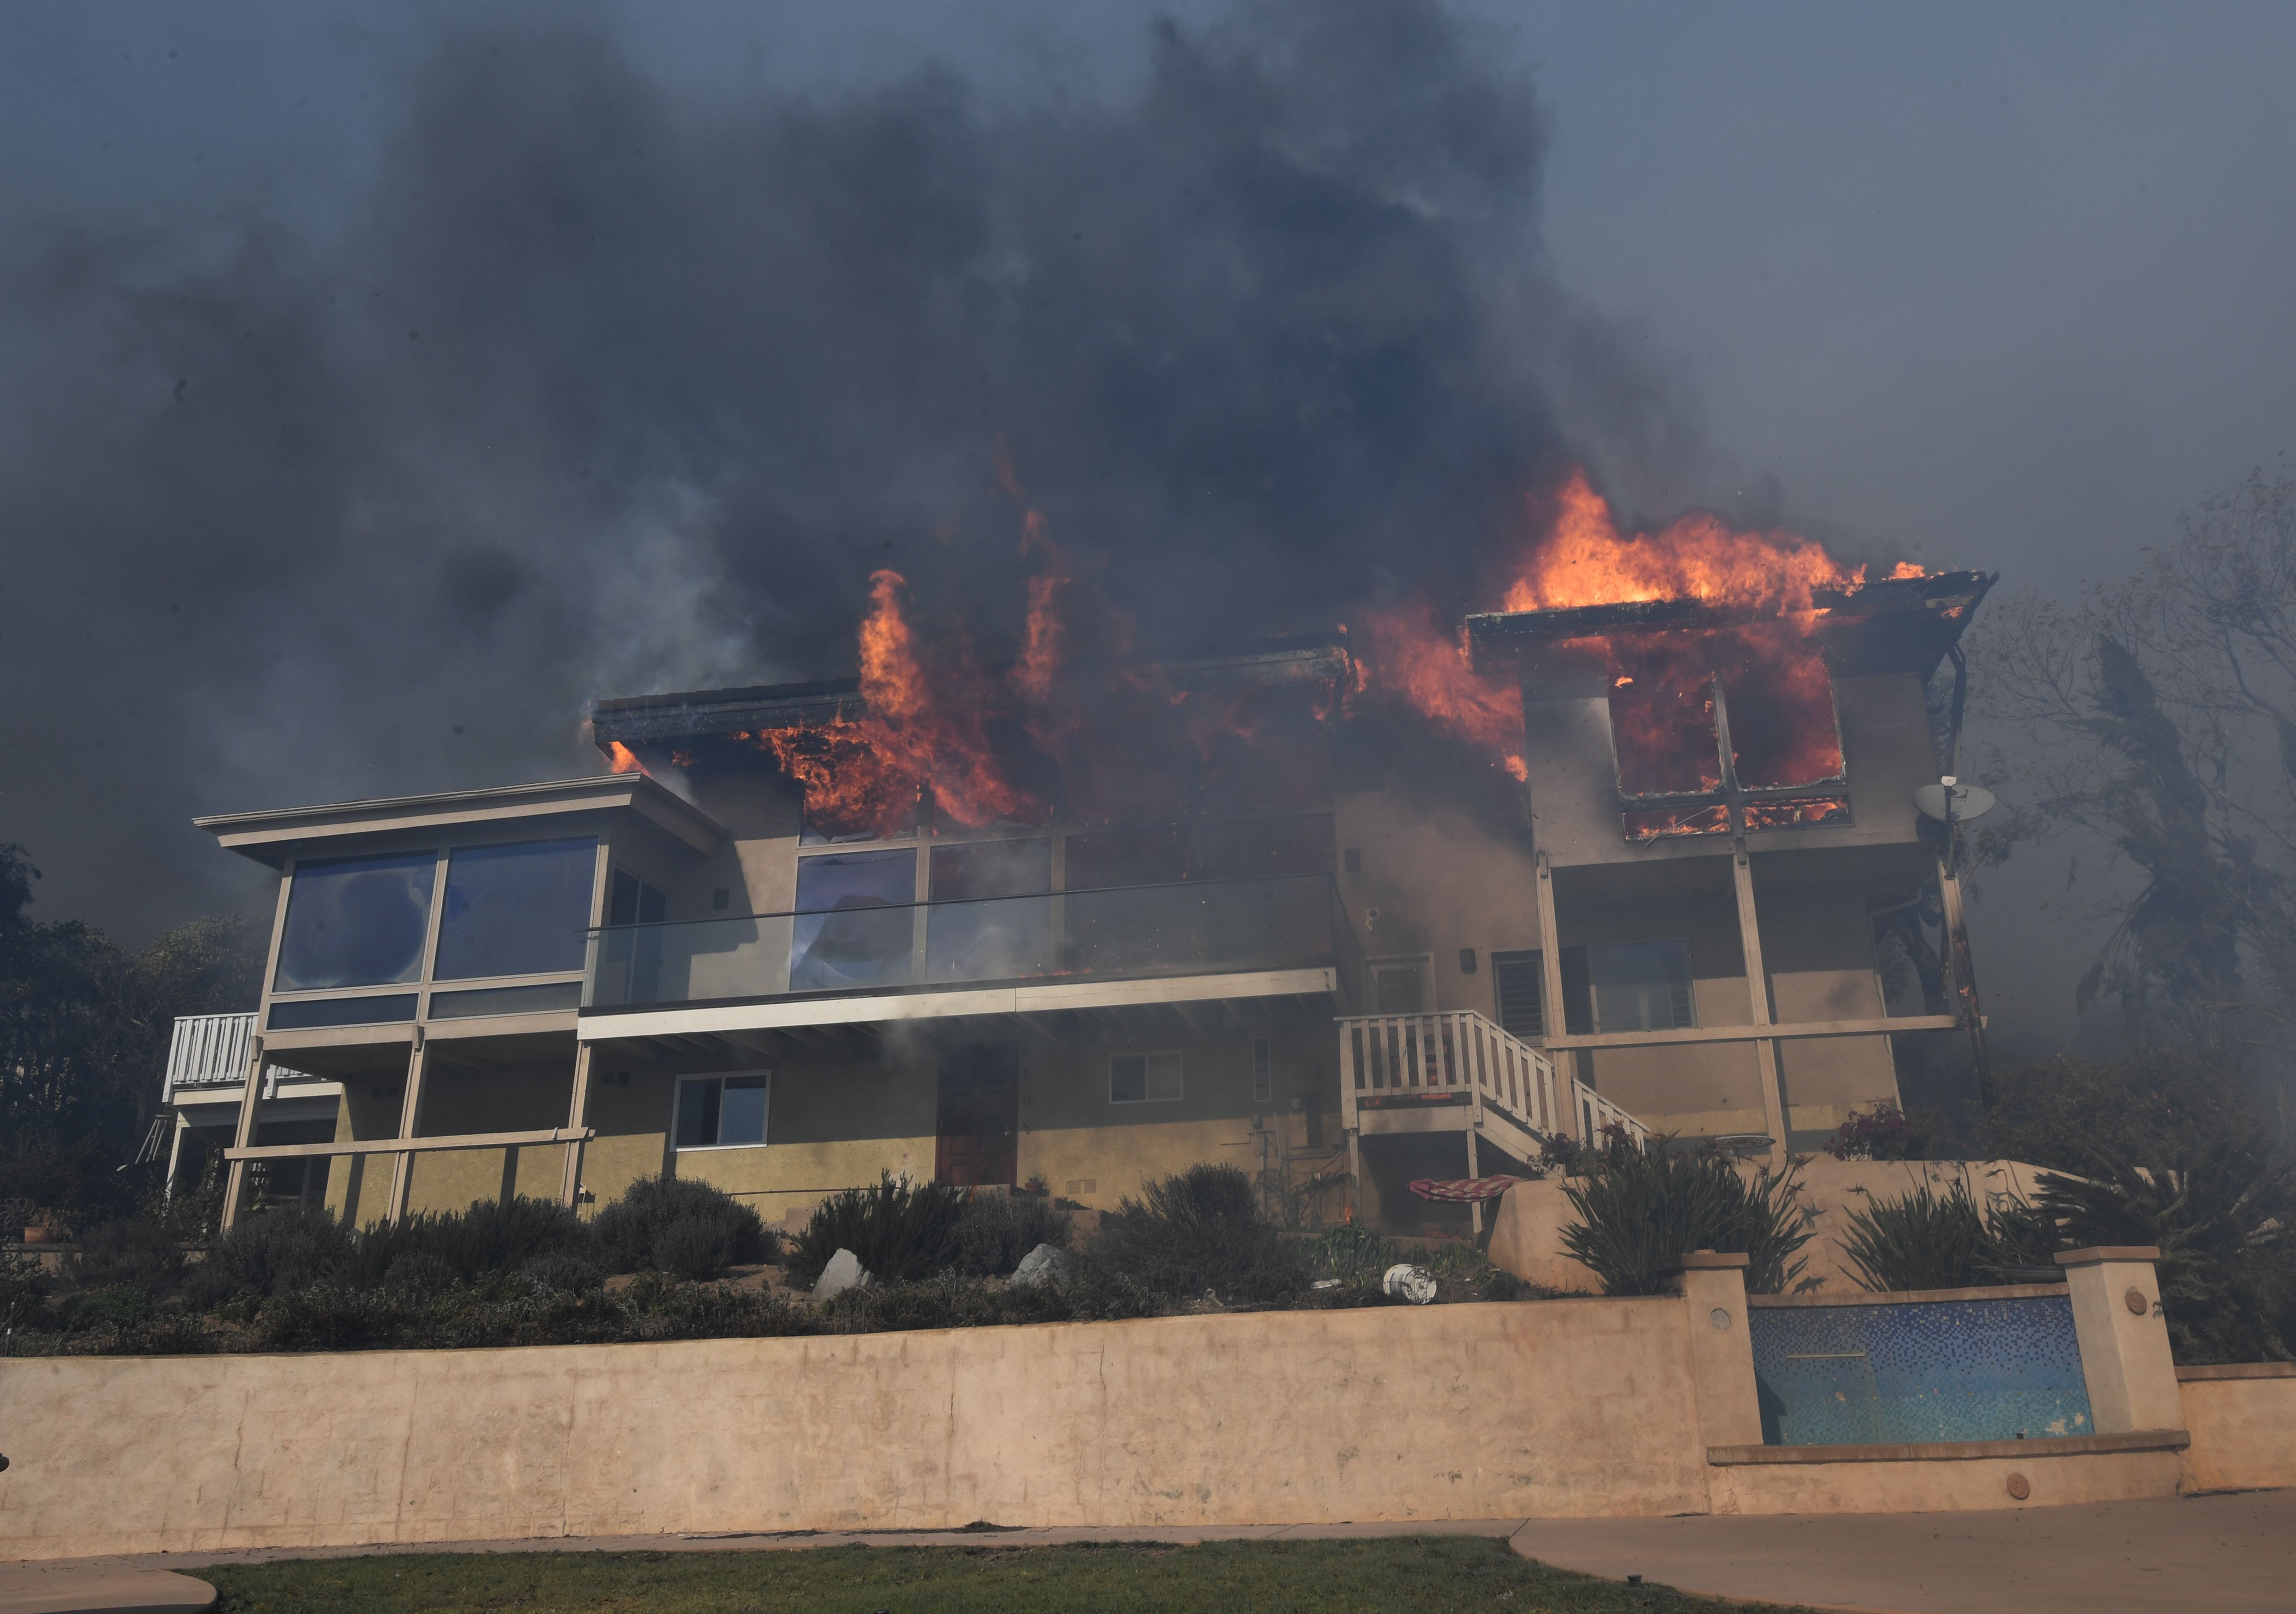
[722, 1111]
[357, 921]
[516, 910]
[843, 937]
[1143, 1078]
[1001, 924]
[1642, 986]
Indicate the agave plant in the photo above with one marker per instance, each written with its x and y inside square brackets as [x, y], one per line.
[2220, 1219]
[1641, 1208]
[1925, 1240]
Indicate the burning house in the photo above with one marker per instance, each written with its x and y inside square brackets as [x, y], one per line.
[1395, 903]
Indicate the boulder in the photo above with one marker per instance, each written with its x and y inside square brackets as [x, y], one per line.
[843, 1272]
[1406, 1282]
[1043, 1264]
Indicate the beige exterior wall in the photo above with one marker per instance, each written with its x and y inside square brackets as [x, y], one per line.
[2243, 1428]
[1556, 1409]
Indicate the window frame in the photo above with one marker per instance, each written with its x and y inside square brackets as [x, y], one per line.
[1146, 1055]
[763, 1074]
[1502, 962]
[1688, 982]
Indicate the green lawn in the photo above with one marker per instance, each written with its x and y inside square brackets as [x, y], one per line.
[1396, 1575]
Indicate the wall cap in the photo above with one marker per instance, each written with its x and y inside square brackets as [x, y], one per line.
[1707, 1260]
[2097, 1253]
[1952, 1451]
[2237, 1370]
[1911, 1297]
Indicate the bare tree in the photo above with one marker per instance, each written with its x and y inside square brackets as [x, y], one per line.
[2158, 715]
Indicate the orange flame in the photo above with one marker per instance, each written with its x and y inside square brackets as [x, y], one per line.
[870, 772]
[621, 759]
[1430, 669]
[1585, 560]
[1662, 707]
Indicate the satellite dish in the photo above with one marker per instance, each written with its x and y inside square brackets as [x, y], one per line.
[1968, 800]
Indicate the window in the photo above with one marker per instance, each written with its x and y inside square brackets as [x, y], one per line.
[1148, 855]
[1642, 986]
[1263, 1072]
[722, 1111]
[516, 910]
[845, 936]
[1519, 986]
[357, 921]
[631, 901]
[999, 924]
[1396, 990]
[1143, 1078]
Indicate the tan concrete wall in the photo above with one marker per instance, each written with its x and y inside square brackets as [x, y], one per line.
[1568, 1408]
[2244, 1432]
[1941, 1487]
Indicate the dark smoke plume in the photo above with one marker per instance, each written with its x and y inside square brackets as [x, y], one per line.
[603, 393]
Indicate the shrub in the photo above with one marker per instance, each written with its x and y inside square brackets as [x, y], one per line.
[566, 1270]
[675, 1224]
[131, 1251]
[1198, 1232]
[118, 1307]
[1927, 1241]
[1350, 1252]
[2220, 1217]
[2156, 1107]
[1641, 1209]
[492, 1236]
[1885, 1134]
[997, 1229]
[269, 1253]
[898, 1230]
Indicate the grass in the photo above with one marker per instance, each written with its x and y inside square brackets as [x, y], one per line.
[1391, 1574]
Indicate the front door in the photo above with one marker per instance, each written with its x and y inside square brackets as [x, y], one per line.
[980, 1126]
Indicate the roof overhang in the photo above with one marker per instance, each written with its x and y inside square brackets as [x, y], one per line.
[272, 837]
[696, 714]
[1896, 625]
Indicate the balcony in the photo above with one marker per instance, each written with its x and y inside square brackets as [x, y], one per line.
[1279, 936]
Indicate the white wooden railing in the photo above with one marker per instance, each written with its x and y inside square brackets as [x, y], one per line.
[1458, 1055]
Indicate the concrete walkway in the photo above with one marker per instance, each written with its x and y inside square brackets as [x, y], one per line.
[2224, 1553]
[2230, 1553]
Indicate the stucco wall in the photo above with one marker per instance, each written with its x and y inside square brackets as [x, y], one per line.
[2244, 1428]
[1285, 1417]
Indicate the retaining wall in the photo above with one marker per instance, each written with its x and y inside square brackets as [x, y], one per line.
[2243, 1425]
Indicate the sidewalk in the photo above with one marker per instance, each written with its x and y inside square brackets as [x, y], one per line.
[2233, 1553]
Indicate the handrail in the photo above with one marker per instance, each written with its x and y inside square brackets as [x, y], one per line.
[1456, 1055]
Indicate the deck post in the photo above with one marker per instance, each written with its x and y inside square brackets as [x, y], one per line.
[571, 1190]
[410, 1116]
[1758, 993]
[249, 1098]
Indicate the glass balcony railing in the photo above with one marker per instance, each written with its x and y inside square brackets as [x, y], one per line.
[1194, 929]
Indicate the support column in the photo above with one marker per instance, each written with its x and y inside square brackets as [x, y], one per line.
[2124, 1340]
[1758, 994]
[1965, 977]
[410, 1116]
[1557, 1016]
[577, 1119]
[243, 1137]
[175, 1156]
[1474, 1206]
[1721, 1348]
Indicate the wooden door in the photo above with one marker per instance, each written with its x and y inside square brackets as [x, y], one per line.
[979, 1124]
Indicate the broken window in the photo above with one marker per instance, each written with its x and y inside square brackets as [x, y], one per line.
[1725, 733]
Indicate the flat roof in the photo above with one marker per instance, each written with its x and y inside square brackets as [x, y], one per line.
[1895, 623]
[692, 714]
[275, 834]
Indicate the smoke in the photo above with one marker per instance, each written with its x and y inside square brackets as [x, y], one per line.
[603, 391]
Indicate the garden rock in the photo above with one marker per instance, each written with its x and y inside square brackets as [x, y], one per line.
[1406, 1282]
[843, 1272]
[1043, 1264]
